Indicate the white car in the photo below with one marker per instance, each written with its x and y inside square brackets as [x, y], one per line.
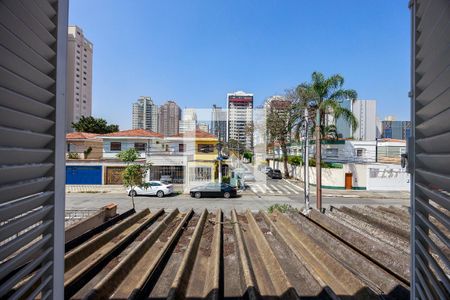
[152, 188]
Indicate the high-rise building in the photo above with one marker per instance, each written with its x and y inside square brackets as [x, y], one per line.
[188, 121]
[145, 114]
[278, 105]
[365, 112]
[399, 130]
[203, 127]
[344, 128]
[79, 76]
[240, 118]
[218, 123]
[169, 118]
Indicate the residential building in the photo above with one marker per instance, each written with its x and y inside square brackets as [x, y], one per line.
[365, 112]
[188, 121]
[144, 141]
[83, 145]
[79, 76]
[240, 118]
[400, 130]
[218, 123]
[203, 126]
[145, 114]
[169, 118]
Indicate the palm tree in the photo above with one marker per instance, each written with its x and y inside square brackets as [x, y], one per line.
[324, 96]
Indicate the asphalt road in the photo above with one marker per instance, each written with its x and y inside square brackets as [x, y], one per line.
[252, 201]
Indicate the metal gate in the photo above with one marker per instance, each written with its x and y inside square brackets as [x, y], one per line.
[429, 149]
[114, 175]
[83, 174]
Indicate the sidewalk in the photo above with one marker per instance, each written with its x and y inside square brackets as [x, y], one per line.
[355, 193]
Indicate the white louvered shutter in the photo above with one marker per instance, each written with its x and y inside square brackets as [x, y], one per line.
[430, 151]
[33, 43]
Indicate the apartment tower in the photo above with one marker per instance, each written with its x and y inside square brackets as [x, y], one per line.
[240, 118]
[218, 123]
[145, 114]
[169, 118]
[79, 76]
[189, 120]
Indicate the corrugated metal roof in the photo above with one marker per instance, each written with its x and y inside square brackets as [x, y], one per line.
[349, 252]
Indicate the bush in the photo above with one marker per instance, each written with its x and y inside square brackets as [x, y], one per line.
[295, 160]
[282, 208]
[73, 155]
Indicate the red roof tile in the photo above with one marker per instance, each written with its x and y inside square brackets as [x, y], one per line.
[198, 134]
[134, 133]
[80, 135]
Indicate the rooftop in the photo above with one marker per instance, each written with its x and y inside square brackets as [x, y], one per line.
[80, 135]
[134, 133]
[356, 252]
[197, 134]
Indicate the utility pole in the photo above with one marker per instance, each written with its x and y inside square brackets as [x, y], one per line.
[219, 158]
[306, 164]
[318, 163]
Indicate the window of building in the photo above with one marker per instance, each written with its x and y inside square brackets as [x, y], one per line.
[180, 147]
[200, 174]
[140, 146]
[116, 146]
[205, 148]
[359, 152]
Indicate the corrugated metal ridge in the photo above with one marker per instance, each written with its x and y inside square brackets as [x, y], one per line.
[204, 255]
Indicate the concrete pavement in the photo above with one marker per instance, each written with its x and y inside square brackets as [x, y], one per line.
[83, 201]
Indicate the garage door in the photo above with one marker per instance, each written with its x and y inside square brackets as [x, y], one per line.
[114, 175]
[83, 175]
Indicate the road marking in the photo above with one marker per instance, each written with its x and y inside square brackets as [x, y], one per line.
[291, 189]
[276, 189]
[294, 185]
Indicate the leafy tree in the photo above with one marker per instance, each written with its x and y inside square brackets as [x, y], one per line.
[281, 117]
[94, 125]
[295, 160]
[324, 96]
[248, 155]
[235, 146]
[134, 174]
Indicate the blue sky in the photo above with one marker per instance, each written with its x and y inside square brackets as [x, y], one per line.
[196, 51]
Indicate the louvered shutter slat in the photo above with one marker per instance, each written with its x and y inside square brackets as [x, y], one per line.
[33, 54]
[23, 156]
[430, 149]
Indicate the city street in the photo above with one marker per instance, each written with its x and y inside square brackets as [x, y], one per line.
[81, 201]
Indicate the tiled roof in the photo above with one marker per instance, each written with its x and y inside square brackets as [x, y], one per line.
[80, 135]
[198, 134]
[134, 133]
[352, 253]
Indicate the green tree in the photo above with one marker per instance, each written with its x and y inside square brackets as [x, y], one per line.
[94, 125]
[134, 174]
[248, 155]
[324, 96]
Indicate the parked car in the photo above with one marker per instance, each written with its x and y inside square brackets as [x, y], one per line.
[213, 190]
[157, 188]
[166, 179]
[266, 169]
[274, 174]
[248, 176]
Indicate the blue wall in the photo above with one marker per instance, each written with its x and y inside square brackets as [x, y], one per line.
[83, 174]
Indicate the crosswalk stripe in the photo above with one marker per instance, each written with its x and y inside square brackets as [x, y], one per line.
[291, 189]
[276, 189]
